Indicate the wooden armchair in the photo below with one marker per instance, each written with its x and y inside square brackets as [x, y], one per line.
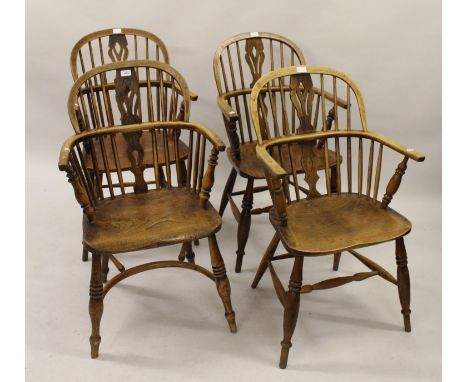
[145, 213]
[310, 223]
[238, 63]
[117, 45]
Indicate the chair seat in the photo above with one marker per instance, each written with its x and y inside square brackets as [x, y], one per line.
[249, 165]
[330, 224]
[148, 220]
[147, 145]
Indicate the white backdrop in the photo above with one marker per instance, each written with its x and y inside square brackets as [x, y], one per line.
[393, 52]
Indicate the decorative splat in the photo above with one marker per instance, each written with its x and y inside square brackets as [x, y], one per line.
[118, 47]
[127, 93]
[254, 56]
[302, 97]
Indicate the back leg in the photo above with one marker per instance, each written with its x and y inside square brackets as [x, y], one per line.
[227, 190]
[266, 257]
[403, 280]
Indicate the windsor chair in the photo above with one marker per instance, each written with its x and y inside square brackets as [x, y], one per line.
[238, 63]
[121, 44]
[132, 208]
[309, 218]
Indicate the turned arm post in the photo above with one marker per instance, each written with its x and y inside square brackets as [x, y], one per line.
[231, 129]
[80, 193]
[394, 183]
[279, 200]
[208, 178]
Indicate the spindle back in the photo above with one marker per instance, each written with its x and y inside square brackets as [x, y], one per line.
[240, 61]
[132, 91]
[301, 99]
[114, 45]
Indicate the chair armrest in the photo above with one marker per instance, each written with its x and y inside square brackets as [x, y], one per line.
[227, 110]
[398, 147]
[193, 96]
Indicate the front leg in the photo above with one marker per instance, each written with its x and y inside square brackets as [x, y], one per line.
[222, 282]
[403, 280]
[96, 303]
[243, 229]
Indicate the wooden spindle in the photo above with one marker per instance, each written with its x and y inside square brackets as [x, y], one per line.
[273, 111]
[175, 137]
[360, 163]
[394, 183]
[167, 158]
[189, 161]
[101, 51]
[201, 165]
[156, 167]
[369, 168]
[89, 180]
[348, 108]
[349, 164]
[195, 163]
[338, 165]
[335, 104]
[377, 174]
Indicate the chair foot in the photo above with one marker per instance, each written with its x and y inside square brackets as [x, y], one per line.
[291, 310]
[336, 261]
[403, 280]
[264, 262]
[227, 191]
[222, 282]
[84, 255]
[96, 304]
[243, 229]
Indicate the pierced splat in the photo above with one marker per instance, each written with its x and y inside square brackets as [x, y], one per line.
[254, 55]
[302, 97]
[127, 95]
[118, 47]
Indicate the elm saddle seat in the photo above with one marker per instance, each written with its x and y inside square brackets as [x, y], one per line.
[250, 165]
[147, 220]
[311, 223]
[146, 142]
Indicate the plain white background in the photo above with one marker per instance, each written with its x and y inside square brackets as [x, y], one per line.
[169, 324]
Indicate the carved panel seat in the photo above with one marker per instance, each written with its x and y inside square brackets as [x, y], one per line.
[311, 223]
[313, 217]
[135, 198]
[149, 220]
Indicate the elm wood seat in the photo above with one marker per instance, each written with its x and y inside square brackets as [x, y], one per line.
[311, 223]
[117, 45]
[238, 63]
[149, 220]
[119, 219]
[146, 141]
[250, 165]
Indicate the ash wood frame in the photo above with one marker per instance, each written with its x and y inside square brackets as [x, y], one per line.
[276, 176]
[71, 162]
[230, 103]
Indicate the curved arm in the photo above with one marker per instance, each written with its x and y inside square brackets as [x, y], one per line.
[193, 96]
[64, 159]
[227, 110]
[277, 171]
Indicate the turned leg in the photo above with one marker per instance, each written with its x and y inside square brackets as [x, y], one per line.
[403, 279]
[266, 257]
[84, 255]
[222, 282]
[243, 228]
[96, 305]
[336, 261]
[189, 254]
[227, 191]
[291, 309]
[104, 268]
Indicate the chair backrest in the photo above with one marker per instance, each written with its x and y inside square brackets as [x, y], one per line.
[132, 91]
[113, 45]
[241, 60]
[302, 99]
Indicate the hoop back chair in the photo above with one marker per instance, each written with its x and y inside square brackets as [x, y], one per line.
[238, 63]
[125, 213]
[311, 219]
